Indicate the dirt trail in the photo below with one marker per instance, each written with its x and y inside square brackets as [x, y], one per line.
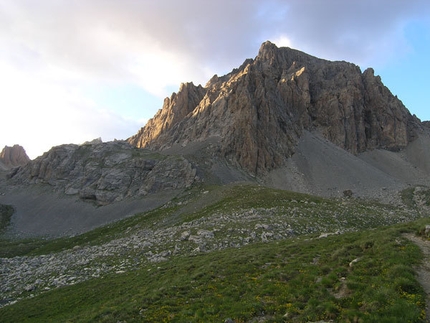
[423, 270]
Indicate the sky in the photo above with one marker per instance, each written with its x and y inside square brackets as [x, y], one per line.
[75, 70]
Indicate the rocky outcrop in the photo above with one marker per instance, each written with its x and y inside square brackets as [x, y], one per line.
[253, 118]
[174, 110]
[261, 109]
[13, 156]
[106, 172]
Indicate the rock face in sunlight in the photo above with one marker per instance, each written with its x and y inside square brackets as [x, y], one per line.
[174, 110]
[285, 120]
[13, 156]
[260, 110]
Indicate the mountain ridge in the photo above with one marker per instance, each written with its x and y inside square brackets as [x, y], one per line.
[284, 119]
[261, 109]
[211, 223]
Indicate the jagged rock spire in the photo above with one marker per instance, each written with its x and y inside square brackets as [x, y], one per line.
[13, 156]
[261, 109]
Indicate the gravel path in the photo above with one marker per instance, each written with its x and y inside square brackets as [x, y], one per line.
[423, 270]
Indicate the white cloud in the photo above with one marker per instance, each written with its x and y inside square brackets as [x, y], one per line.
[39, 114]
[364, 32]
[51, 49]
[282, 41]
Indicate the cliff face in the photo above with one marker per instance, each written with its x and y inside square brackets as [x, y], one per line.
[253, 117]
[260, 110]
[174, 110]
[106, 172]
[13, 156]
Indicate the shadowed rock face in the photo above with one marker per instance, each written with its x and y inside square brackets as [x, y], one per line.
[13, 156]
[106, 172]
[261, 109]
[295, 121]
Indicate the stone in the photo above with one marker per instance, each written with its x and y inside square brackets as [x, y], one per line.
[105, 173]
[205, 234]
[13, 156]
[157, 243]
[354, 261]
[185, 235]
[260, 110]
[347, 193]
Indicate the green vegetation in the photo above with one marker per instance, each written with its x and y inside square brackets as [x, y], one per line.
[356, 277]
[306, 213]
[365, 274]
[415, 197]
[32, 247]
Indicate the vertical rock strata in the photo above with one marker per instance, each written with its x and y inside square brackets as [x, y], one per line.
[13, 156]
[261, 109]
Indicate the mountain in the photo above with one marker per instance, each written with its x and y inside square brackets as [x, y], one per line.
[284, 119]
[259, 111]
[104, 173]
[202, 231]
[13, 156]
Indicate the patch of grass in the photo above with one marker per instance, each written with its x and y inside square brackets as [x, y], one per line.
[407, 196]
[13, 247]
[347, 278]
[356, 277]
[414, 197]
[248, 196]
[306, 213]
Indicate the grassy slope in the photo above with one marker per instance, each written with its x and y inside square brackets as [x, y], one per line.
[290, 280]
[298, 281]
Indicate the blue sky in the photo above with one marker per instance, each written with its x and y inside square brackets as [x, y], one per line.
[408, 75]
[72, 70]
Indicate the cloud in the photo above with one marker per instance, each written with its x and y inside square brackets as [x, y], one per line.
[39, 115]
[364, 32]
[51, 49]
[153, 43]
[162, 43]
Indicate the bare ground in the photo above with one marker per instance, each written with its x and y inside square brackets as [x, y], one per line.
[318, 167]
[41, 212]
[321, 168]
[423, 271]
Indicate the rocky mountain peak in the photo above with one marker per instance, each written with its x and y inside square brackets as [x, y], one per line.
[259, 110]
[174, 109]
[13, 156]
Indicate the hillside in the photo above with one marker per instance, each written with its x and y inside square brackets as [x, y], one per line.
[284, 119]
[293, 189]
[259, 111]
[240, 252]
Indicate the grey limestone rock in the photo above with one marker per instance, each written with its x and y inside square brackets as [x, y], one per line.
[106, 172]
[261, 109]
